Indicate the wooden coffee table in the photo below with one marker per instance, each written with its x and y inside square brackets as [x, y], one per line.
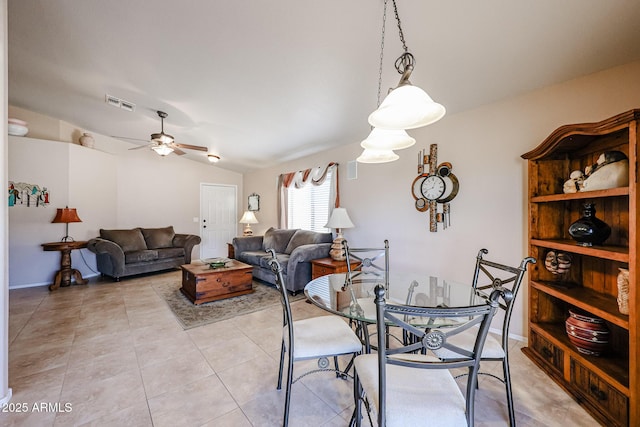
[201, 283]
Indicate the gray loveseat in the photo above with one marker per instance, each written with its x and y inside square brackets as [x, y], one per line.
[295, 249]
[122, 253]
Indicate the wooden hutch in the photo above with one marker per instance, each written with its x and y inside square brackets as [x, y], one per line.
[607, 386]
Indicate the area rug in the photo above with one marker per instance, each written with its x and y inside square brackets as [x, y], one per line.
[191, 316]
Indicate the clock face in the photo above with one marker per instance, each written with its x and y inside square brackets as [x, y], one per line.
[433, 187]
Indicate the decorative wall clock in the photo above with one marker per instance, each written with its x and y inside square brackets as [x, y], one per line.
[435, 185]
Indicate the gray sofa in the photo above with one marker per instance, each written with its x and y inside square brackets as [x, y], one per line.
[295, 249]
[121, 253]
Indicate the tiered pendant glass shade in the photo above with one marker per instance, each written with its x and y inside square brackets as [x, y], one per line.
[377, 156]
[406, 107]
[387, 139]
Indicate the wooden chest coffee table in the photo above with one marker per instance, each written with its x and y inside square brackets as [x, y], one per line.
[201, 283]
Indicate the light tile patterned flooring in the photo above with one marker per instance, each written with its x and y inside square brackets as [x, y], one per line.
[117, 355]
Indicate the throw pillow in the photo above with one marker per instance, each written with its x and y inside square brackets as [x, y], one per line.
[158, 238]
[277, 239]
[128, 240]
[306, 237]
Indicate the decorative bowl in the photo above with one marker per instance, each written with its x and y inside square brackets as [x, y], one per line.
[17, 130]
[217, 262]
[589, 334]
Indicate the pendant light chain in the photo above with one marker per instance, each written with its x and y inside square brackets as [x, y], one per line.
[384, 20]
[406, 59]
[395, 9]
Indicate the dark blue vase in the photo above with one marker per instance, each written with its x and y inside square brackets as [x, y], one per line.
[589, 230]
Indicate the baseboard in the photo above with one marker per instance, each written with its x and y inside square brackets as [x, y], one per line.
[35, 285]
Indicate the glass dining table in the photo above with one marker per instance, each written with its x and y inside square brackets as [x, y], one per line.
[355, 301]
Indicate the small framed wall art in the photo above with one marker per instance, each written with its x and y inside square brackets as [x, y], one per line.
[254, 202]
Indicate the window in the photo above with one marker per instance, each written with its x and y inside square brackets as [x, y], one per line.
[308, 207]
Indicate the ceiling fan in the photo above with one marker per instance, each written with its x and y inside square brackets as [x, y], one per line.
[164, 144]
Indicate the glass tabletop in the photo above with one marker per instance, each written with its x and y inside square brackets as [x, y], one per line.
[331, 293]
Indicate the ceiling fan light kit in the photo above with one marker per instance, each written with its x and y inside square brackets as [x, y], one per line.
[163, 150]
[405, 107]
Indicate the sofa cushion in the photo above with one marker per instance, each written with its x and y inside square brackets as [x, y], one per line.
[128, 240]
[306, 237]
[277, 239]
[140, 256]
[164, 253]
[157, 238]
[251, 257]
[283, 259]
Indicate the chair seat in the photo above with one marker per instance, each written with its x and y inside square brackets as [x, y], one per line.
[323, 336]
[413, 395]
[492, 348]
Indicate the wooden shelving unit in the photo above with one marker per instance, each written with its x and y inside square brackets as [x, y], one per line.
[608, 385]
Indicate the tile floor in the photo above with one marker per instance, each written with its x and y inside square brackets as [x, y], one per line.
[114, 355]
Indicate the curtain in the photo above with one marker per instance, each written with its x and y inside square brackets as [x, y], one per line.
[314, 176]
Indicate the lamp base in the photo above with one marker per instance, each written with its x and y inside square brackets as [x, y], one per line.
[247, 230]
[337, 250]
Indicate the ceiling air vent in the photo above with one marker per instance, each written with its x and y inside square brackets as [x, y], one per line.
[126, 105]
[119, 103]
[112, 100]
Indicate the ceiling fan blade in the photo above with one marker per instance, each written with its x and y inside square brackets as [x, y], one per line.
[141, 146]
[190, 147]
[178, 151]
[132, 139]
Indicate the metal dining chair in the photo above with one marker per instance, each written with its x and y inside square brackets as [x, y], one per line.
[489, 275]
[403, 385]
[314, 338]
[366, 267]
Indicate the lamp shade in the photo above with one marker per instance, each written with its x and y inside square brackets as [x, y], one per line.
[248, 218]
[66, 216]
[388, 139]
[377, 156]
[339, 219]
[406, 107]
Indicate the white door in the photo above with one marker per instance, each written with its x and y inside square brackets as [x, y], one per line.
[218, 219]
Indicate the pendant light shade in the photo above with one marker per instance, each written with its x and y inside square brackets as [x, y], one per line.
[377, 156]
[388, 139]
[406, 107]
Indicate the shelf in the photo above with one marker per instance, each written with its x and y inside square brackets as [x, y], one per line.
[613, 369]
[596, 303]
[613, 253]
[613, 192]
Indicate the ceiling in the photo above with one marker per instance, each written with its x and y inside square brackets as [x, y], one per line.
[261, 82]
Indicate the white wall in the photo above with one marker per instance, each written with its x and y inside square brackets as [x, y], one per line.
[484, 145]
[123, 189]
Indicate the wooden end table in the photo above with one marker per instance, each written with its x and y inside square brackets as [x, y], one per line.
[63, 276]
[324, 266]
[201, 283]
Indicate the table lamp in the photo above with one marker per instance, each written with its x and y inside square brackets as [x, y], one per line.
[247, 219]
[339, 219]
[66, 216]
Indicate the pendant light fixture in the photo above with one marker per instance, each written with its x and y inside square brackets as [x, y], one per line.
[406, 106]
[370, 155]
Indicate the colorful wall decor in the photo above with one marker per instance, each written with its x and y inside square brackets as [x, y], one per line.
[28, 195]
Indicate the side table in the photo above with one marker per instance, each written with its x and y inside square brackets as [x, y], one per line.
[324, 266]
[63, 276]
